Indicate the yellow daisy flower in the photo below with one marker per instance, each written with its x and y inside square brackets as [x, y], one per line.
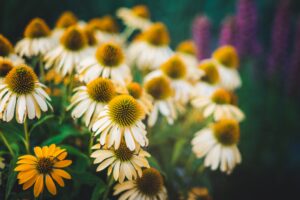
[218, 144]
[136, 18]
[149, 186]
[23, 94]
[121, 163]
[7, 51]
[121, 118]
[41, 169]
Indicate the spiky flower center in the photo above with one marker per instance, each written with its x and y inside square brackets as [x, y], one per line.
[221, 96]
[159, 88]
[124, 110]
[227, 56]
[141, 11]
[73, 39]
[66, 20]
[5, 46]
[151, 182]
[123, 153]
[157, 35]
[106, 24]
[135, 90]
[21, 79]
[37, 28]
[174, 68]
[90, 35]
[211, 74]
[5, 66]
[101, 90]
[44, 165]
[110, 55]
[187, 47]
[227, 131]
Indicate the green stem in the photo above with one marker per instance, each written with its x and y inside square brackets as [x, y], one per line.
[7, 144]
[91, 143]
[109, 184]
[67, 97]
[27, 137]
[42, 71]
[127, 33]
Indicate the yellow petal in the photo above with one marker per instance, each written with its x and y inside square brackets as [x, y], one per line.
[28, 157]
[58, 152]
[50, 185]
[62, 173]
[62, 156]
[51, 149]
[38, 151]
[25, 167]
[45, 151]
[26, 161]
[58, 179]
[39, 185]
[63, 163]
[30, 182]
[26, 176]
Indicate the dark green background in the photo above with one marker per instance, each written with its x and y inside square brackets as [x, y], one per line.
[270, 141]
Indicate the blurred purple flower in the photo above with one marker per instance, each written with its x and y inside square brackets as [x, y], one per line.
[246, 26]
[280, 37]
[228, 32]
[294, 72]
[201, 31]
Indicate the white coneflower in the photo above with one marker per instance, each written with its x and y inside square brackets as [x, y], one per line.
[149, 186]
[72, 49]
[7, 51]
[210, 81]
[138, 92]
[136, 18]
[219, 105]
[66, 20]
[218, 143]
[162, 93]
[228, 62]
[88, 101]
[176, 71]
[23, 94]
[107, 62]
[5, 66]
[92, 41]
[122, 162]
[187, 51]
[151, 48]
[106, 29]
[121, 118]
[37, 39]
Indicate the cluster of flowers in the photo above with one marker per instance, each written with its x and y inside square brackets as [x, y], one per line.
[114, 108]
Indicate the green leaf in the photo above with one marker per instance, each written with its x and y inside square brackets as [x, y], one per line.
[11, 177]
[41, 121]
[86, 178]
[66, 131]
[83, 160]
[177, 149]
[98, 190]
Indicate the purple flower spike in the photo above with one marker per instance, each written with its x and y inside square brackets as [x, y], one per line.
[201, 31]
[228, 32]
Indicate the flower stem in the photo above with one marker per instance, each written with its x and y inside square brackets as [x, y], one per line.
[91, 143]
[27, 136]
[41, 68]
[7, 144]
[109, 184]
[127, 33]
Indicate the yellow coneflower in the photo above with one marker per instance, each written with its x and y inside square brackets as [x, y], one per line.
[72, 49]
[138, 92]
[66, 20]
[7, 51]
[37, 39]
[187, 51]
[5, 66]
[137, 18]
[162, 93]
[121, 163]
[121, 118]
[40, 170]
[88, 101]
[149, 186]
[23, 94]
[218, 143]
[219, 105]
[228, 62]
[108, 62]
[106, 29]
[151, 49]
[175, 69]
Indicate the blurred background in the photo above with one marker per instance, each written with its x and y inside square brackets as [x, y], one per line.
[267, 35]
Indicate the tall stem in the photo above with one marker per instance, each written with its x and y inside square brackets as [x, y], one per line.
[41, 68]
[109, 184]
[27, 137]
[7, 144]
[91, 143]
